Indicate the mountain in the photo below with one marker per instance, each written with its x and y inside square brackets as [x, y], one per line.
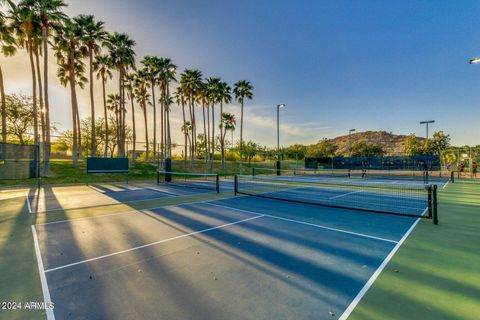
[391, 143]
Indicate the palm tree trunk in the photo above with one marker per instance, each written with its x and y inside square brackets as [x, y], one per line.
[74, 109]
[208, 132]
[194, 130]
[92, 104]
[79, 129]
[222, 136]
[105, 113]
[169, 136]
[134, 134]
[213, 134]
[155, 124]
[34, 92]
[205, 132]
[46, 154]
[185, 135]
[241, 132]
[4, 109]
[121, 150]
[40, 95]
[117, 121]
[147, 157]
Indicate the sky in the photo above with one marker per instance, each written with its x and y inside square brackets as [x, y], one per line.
[337, 65]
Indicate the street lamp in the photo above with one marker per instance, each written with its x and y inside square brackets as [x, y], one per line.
[350, 141]
[426, 123]
[278, 136]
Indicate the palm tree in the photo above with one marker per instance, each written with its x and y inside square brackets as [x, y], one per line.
[229, 123]
[191, 79]
[92, 33]
[166, 74]
[7, 46]
[25, 24]
[243, 89]
[50, 14]
[224, 95]
[213, 97]
[69, 52]
[202, 98]
[151, 70]
[122, 55]
[113, 104]
[141, 93]
[130, 86]
[102, 66]
[180, 100]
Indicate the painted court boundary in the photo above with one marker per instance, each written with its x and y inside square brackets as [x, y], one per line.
[375, 275]
[153, 243]
[43, 278]
[305, 223]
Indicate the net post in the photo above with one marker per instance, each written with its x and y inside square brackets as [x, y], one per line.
[235, 185]
[253, 171]
[294, 171]
[158, 177]
[348, 173]
[430, 201]
[435, 204]
[426, 176]
[278, 165]
[168, 169]
[217, 183]
[452, 176]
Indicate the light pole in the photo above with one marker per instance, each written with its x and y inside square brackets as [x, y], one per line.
[350, 141]
[278, 136]
[426, 123]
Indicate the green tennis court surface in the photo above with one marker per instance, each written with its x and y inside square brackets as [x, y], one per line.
[262, 258]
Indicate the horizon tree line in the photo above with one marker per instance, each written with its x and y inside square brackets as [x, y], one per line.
[83, 48]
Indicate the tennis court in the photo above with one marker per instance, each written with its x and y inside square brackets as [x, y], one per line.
[243, 257]
[56, 198]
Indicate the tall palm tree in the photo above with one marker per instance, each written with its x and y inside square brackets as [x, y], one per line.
[191, 79]
[202, 98]
[123, 56]
[69, 51]
[151, 69]
[113, 104]
[142, 96]
[25, 23]
[213, 97]
[8, 48]
[180, 100]
[130, 86]
[224, 95]
[102, 66]
[243, 89]
[166, 74]
[229, 123]
[92, 34]
[50, 14]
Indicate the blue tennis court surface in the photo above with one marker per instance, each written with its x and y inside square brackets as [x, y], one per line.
[236, 258]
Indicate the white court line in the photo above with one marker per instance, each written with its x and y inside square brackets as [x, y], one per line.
[345, 194]
[28, 202]
[375, 275]
[130, 211]
[152, 244]
[446, 184]
[43, 278]
[306, 223]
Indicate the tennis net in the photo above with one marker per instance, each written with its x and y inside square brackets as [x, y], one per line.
[206, 181]
[424, 176]
[413, 200]
[340, 173]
